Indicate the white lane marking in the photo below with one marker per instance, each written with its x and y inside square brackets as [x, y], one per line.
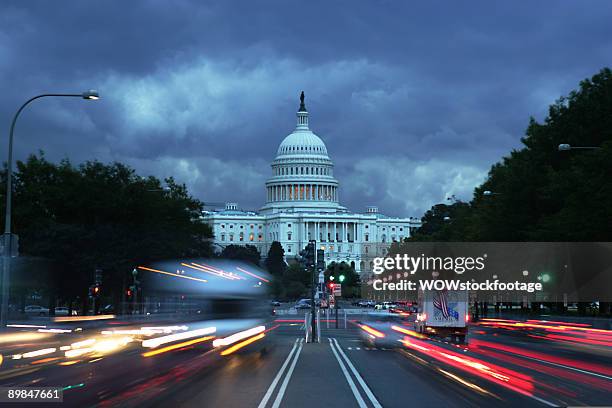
[283, 387]
[569, 367]
[363, 384]
[350, 348]
[358, 348]
[272, 386]
[349, 380]
[543, 401]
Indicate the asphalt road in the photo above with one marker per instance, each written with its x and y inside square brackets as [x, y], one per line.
[501, 366]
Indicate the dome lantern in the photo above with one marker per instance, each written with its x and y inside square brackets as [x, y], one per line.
[302, 114]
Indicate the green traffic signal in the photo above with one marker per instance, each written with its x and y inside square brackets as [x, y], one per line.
[341, 278]
[545, 278]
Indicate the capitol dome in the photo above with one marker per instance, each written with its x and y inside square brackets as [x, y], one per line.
[302, 142]
[302, 172]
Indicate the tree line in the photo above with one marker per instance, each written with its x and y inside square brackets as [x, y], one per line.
[537, 192]
[75, 219]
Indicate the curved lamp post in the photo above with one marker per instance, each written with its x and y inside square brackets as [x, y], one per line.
[565, 147]
[90, 95]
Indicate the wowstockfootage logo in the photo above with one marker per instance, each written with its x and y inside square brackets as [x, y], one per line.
[414, 264]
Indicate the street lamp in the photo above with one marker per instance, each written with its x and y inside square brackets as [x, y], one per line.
[8, 236]
[565, 147]
[489, 193]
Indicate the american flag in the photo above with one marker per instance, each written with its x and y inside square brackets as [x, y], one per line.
[440, 302]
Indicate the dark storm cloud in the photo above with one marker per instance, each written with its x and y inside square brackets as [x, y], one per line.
[415, 101]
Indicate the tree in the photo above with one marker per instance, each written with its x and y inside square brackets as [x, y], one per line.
[540, 193]
[100, 216]
[275, 261]
[296, 273]
[246, 253]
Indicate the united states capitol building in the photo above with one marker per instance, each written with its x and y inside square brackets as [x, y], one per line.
[303, 204]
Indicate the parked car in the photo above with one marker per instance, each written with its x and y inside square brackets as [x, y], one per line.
[63, 311]
[303, 304]
[385, 306]
[37, 310]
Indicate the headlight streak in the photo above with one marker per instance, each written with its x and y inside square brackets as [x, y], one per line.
[252, 274]
[211, 271]
[94, 345]
[78, 352]
[176, 346]
[44, 360]
[176, 275]
[68, 363]
[166, 329]
[37, 353]
[371, 331]
[54, 331]
[83, 343]
[158, 341]
[83, 318]
[466, 383]
[242, 344]
[217, 270]
[226, 341]
[594, 369]
[507, 378]
[408, 332]
[22, 336]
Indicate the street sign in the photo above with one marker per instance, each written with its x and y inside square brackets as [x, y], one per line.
[321, 277]
[332, 301]
[337, 289]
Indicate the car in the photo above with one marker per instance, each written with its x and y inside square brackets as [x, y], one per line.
[36, 310]
[302, 304]
[385, 306]
[63, 311]
[381, 329]
[275, 303]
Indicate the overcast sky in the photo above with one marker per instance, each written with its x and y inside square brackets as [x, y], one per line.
[415, 101]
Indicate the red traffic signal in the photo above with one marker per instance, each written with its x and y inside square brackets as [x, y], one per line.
[128, 292]
[331, 286]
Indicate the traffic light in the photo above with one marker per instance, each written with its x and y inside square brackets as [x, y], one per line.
[341, 278]
[95, 290]
[320, 259]
[307, 256]
[128, 292]
[331, 285]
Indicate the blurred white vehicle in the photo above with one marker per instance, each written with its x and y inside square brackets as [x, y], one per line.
[63, 311]
[36, 310]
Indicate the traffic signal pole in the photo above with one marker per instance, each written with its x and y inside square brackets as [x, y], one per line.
[312, 262]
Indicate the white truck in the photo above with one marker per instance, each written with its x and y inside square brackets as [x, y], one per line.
[443, 314]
